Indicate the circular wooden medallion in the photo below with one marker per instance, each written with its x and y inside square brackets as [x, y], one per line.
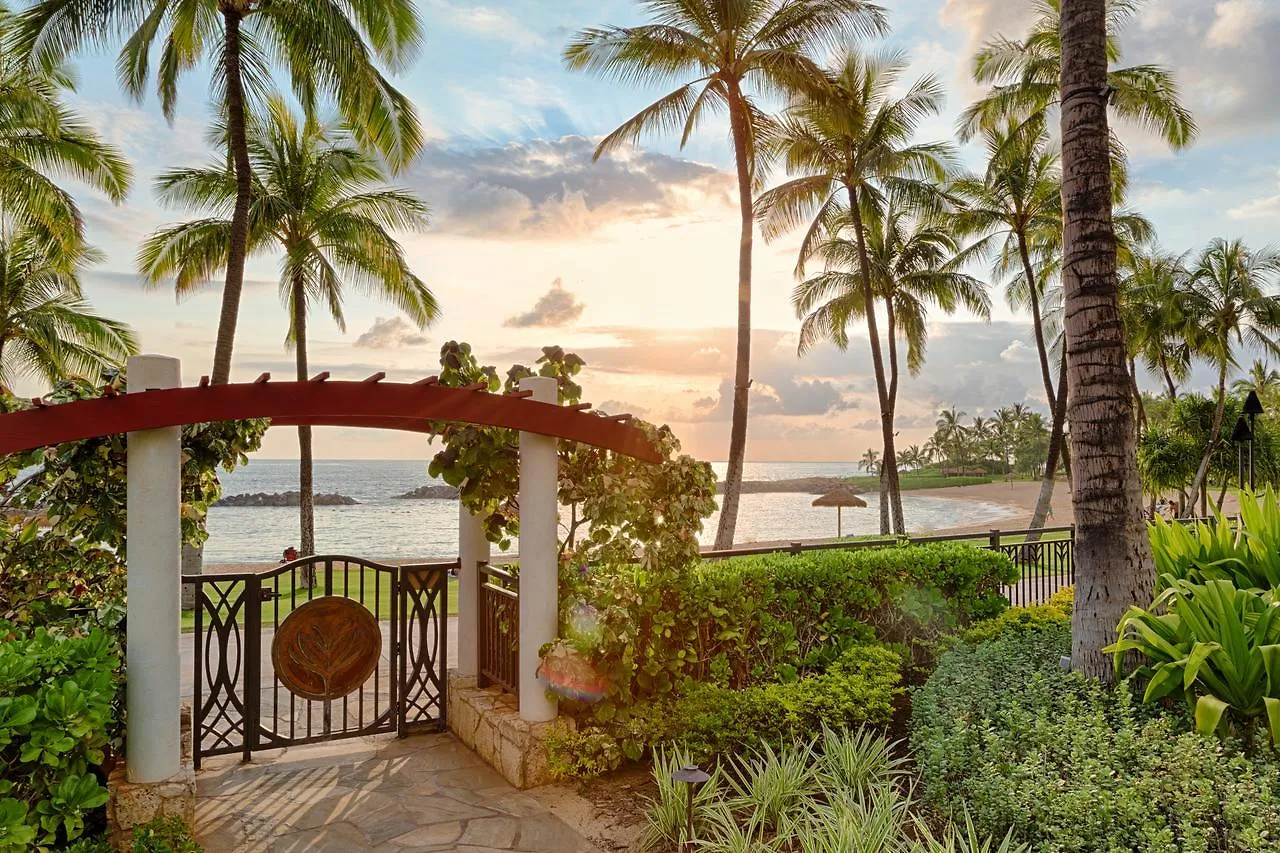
[326, 648]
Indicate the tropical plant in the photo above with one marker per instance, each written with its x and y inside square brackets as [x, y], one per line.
[1227, 294]
[1247, 554]
[1112, 553]
[1261, 378]
[47, 329]
[40, 135]
[950, 434]
[1024, 77]
[848, 147]
[1219, 646]
[1014, 209]
[327, 50]
[727, 50]
[870, 461]
[319, 201]
[1157, 327]
[913, 262]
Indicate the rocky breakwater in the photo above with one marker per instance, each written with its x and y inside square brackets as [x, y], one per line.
[448, 493]
[285, 499]
[802, 485]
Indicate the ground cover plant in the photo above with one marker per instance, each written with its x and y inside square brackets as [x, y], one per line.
[1002, 733]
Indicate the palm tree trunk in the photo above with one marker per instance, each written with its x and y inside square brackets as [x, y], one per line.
[237, 245]
[1168, 377]
[1139, 408]
[877, 357]
[894, 486]
[1200, 483]
[1113, 565]
[306, 495]
[742, 368]
[1056, 446]
[1037, 323]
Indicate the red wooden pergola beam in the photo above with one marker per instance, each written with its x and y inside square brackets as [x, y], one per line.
[375, 405]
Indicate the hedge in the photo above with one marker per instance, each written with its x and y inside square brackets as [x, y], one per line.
[752, 620]
[1000, 731]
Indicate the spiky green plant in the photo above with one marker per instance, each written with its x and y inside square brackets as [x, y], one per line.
[1248, 554]
[1217, 645]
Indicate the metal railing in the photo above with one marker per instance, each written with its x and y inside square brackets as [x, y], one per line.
[499, 629]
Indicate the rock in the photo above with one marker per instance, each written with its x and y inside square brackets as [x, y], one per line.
[802, 485]
[429, 492]
[285, 499]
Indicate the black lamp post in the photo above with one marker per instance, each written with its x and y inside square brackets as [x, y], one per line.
[1252, 408]
[691, 776]
[1241, 435]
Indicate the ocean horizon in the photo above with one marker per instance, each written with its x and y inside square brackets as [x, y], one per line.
[383, 526]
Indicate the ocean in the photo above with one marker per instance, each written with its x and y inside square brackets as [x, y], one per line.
[382, 526]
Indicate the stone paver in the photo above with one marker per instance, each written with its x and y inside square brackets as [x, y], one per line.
[374, 794]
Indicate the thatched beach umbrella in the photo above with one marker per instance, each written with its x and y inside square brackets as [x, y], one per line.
[840, 498]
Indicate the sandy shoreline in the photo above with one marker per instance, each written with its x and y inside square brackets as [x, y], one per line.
[1019, 497]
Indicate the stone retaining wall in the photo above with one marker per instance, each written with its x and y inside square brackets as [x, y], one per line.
[133, 804]
[487, 721]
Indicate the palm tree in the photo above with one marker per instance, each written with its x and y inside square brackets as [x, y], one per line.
[47, 329]
[949, 434]
[912, 457]
[319, 201]
[1024, 75]
[1113, 566]
[847, 145]
[327, 50]
[870, 461]
[39, 135]
[1262, 379]
[1153, 300]
[1227, 297]
[722, 51]
[912, 261]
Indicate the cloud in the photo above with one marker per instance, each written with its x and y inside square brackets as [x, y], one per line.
[390, 333]
[488, 22]
[551, 188]
[1263, 207]
[1233, 20]
[1018, 352]
[557, 307]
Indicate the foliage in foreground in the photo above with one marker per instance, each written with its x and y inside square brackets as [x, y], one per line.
[1217, 646]
[57, 697]
[1065, 764]
[161, 835]
[1247, 555]
[843, 791]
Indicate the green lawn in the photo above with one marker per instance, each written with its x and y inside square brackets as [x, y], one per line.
[288, 598]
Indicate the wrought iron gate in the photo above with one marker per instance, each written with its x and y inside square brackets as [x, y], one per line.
[317, 649]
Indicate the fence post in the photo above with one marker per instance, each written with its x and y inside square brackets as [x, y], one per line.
[795, 548]
[994, 538]
[473, 551]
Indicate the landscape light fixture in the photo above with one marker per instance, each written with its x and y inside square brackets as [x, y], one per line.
[1252, 408]
[1243, 435]
[690, 775]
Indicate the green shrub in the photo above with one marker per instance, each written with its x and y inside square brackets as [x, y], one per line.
[859, 689]
[1018, 620]
[161, 835]
[1065, 764]
[581, 754]
[1215, 645]
[752, 620]
[56, 715]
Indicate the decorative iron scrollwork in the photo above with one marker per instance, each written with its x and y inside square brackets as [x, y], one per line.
[326, 648]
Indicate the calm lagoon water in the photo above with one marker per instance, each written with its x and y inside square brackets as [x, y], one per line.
[382, 526]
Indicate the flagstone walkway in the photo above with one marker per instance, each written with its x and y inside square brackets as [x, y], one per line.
[427, 792]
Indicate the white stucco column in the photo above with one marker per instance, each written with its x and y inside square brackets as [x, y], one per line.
[473, 549]
[539, 581]
[154, 566]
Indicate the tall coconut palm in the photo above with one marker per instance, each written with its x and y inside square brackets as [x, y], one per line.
[41, 139]
[913, 261]
[328, 51]
[1227, 295]
[847, 145]
[949, 434]
[47, 329]
[870, 461]
[1023, 76]
[1261, 378]
[1158, 330]
[321, 203]
[721, 53]
[1113, 566]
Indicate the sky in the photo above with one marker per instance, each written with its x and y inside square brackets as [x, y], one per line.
[631, 261]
